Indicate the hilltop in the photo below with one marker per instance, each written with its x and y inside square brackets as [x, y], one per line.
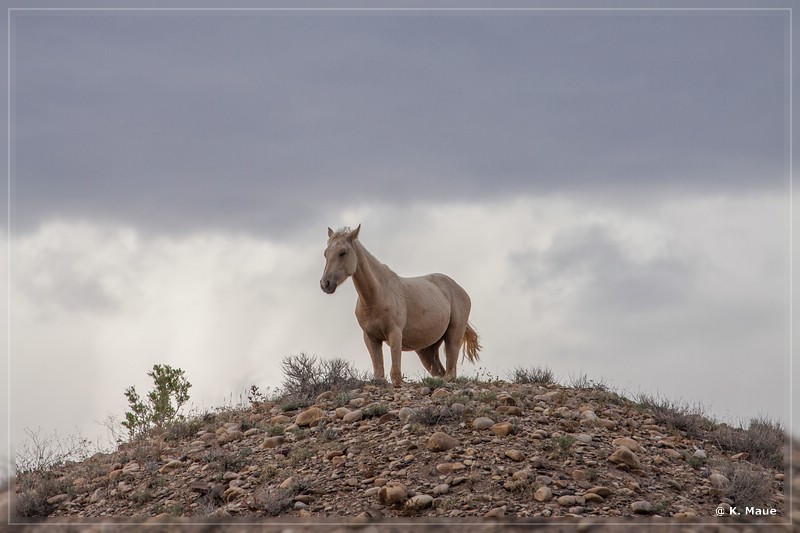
[527, 450]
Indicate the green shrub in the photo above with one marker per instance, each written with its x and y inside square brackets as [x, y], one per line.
[162, 403]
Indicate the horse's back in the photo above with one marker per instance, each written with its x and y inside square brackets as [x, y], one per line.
[458, 298]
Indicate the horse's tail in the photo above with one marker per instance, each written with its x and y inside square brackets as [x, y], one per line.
[470, 344]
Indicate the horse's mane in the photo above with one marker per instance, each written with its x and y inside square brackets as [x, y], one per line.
[340, 233]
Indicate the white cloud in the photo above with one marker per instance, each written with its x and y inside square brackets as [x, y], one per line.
[688, 300]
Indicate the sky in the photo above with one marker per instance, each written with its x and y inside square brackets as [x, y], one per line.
[612, 188]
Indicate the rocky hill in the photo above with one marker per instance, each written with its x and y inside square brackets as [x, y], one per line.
[466, 453]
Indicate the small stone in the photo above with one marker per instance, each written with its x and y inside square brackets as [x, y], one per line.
[420, 501]
[505, 398]
[593, 497]
[230, 436]
[309, 417]
[482, 423]
[357, 403]
[719, 482]
[497, 512]
[566, 501]
[405, 413]
[601, 491]
[440, 489]
[624, 456]
[288, 482]
[388, 417]
[233, 493]
[579, 475]
[273, 442]
[438, 394]
[629, 443]
[584, 438]
[170, 466]
[325, 396]
[700, 454]
[199, 486]
[606, 423]
[510, 410]
[440, 442]
[59, 498]
[392, 493]
[515, 455]
[341, 412]
[353, 416]
[278, 420]
[543, 494]
[131, 467]
[444, 468]
[503, 429]
[642, 507]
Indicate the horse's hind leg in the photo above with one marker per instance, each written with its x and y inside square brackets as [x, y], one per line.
[430, 359]
[453, 338]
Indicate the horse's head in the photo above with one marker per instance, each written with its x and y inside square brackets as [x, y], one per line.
[340, 258]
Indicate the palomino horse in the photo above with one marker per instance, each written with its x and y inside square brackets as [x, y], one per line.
[406, 313]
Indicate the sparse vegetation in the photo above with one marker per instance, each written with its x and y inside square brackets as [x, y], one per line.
[583, 382]
[375, 410]
[433, 382]
[42, 451]
[432, 415]
[763, 441]
[536, 375]
[544, 447]
[681, 416]
[750, 485]
[305, 377]
[163, 403]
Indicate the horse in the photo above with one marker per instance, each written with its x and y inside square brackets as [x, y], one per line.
[409, 314]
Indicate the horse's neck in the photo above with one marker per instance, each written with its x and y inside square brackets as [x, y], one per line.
[372, 277]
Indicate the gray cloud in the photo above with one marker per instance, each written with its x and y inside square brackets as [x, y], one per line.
[258, 122]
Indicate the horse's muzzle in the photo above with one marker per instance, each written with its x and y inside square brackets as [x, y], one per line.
[327, 286]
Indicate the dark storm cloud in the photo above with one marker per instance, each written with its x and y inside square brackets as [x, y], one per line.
[257, 121]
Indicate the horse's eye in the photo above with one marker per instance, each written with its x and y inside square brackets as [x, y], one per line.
[343, 253]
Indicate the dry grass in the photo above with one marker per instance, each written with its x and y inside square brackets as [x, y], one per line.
[750, 484]
[681, 416]
[764, 441]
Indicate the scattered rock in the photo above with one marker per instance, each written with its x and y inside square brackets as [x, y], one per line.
[543, 494]
[440, 442]
[482, 423]
[624, 456]
[392, 493]
[515, 455]
[420, 501]
[309, 417]
[273, 442]
[382, 466]
[627, 442]
[353, 416]
[503, 429]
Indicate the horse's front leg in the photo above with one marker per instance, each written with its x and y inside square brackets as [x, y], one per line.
[375, 348]
[395, 342]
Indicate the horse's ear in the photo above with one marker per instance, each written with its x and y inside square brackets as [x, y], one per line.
[330, 232]
[354, 234]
